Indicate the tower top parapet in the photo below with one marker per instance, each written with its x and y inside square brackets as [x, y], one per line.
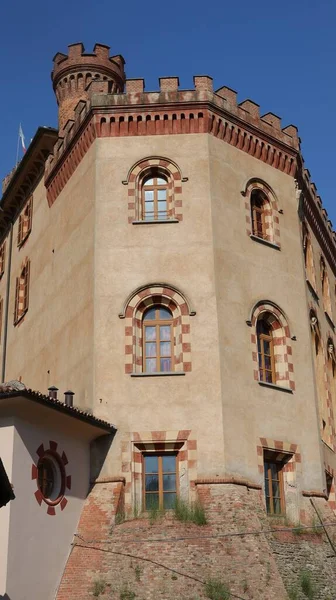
[73, 72]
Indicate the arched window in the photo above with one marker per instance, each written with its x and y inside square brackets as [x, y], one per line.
[155, 197]
[154, 191]
[259, 205]
[266, 349]
[325, 288]
[308, 257]
[158, 340]
[262, 212]
[321, 379]
[271, 346]
[157, 330]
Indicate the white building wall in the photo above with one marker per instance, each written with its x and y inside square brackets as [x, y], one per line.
[6, 454]
[39, 543]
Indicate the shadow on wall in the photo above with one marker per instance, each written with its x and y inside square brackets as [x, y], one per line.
[99, 450]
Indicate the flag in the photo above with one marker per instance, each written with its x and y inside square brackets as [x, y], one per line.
[21, 136]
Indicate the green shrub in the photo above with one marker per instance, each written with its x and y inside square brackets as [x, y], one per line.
[98, 587]
[215, 589]
[192, 513]
[307, 584]
[126, 593]
[293, 593]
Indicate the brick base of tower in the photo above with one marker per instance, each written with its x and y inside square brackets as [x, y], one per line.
[163, 558]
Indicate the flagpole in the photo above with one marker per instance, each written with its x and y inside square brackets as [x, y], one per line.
[17, 149]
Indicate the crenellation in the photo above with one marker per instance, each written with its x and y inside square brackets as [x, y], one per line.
[250, 107]
[272, 120]
[135, 86]
[228, 94]
[102, 51]
[76, 50]
[203, 82]
[169, 84]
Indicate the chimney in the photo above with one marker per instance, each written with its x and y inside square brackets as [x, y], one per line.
[68, 398]
[53, 392]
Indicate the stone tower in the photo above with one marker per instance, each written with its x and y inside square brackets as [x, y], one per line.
[73, 73]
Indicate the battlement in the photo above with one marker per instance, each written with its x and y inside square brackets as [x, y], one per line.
[172, 110]
[73, 72]
[99, 60]
[224, 99]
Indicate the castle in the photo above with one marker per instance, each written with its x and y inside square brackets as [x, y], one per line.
[167, 263]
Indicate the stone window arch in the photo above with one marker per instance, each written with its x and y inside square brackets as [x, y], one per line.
[169, 188]
[261, 212]
[136, 307]
[271, 346]
[308, 256]
[322, 383]
[325, 288]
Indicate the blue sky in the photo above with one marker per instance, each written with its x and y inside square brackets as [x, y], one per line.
[281, 55]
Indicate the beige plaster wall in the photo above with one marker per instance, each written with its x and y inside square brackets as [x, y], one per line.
[85, 261]
[247, 272]
[53, 343]
[39, 542]
[326, 331]
[180, 254]
[6, 454]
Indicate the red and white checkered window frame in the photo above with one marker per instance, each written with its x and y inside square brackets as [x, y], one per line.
[283, 361]
[270, 212]
[158, 166]
[133, 312]
[22, 292]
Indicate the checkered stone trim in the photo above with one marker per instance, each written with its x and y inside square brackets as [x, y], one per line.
[133, 312]
[271, 211]
[22, 292]
[135, 179]
[324, 380]
[284, 368]
[136, 443]
[292, 468]
[329, 367]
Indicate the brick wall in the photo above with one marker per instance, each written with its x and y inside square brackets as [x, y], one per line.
[165, 559]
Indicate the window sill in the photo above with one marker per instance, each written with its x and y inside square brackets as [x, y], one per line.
[163, 374]
[22, 242]
[330, 321]
[155, 222]
[273, 386]
[255, 238]
[20, 318]
[312, 291]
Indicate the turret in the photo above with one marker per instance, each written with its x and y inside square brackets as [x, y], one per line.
[73, 73]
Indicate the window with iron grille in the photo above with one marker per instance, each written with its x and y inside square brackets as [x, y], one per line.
[25, 222]
[22, 293]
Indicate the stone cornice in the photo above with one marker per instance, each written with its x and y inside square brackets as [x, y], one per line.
[317, 217]
[25, 177]
[164, 116]
[137, 113]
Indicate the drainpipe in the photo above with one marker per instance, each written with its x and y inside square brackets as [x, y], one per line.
[4, 343]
